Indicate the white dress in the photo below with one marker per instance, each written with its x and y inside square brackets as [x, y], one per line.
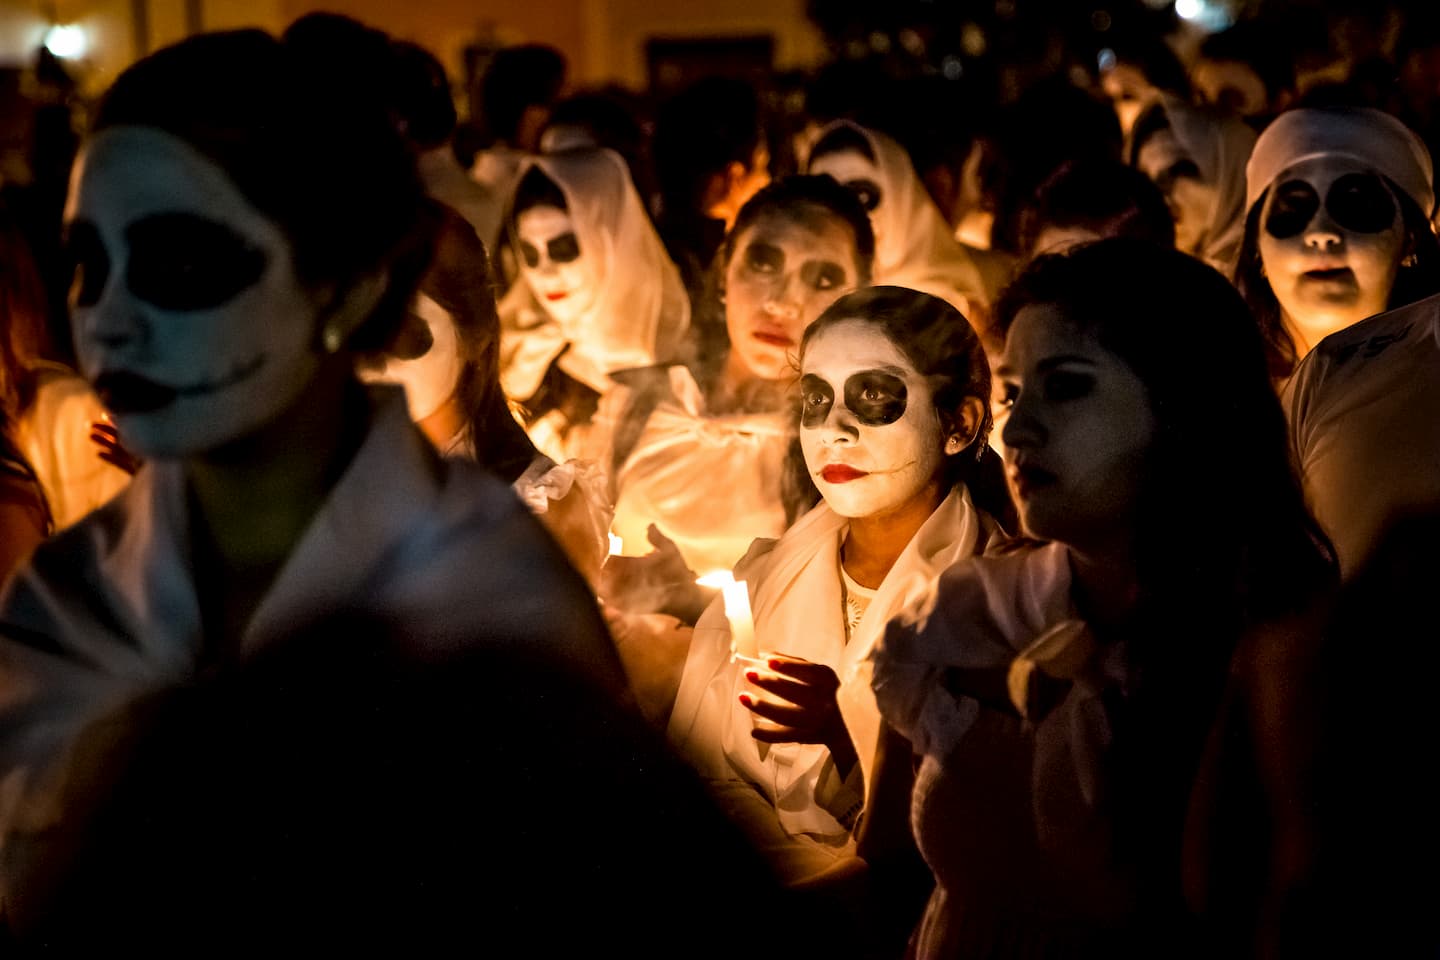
[789, 796]
[1364, 411]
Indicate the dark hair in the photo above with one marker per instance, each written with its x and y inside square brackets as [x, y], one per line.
[1220, 466]
[942, 346]
[842, 139]
[517, 78]
[23, 337]
[421, 95]
[535, 189]
[459, 279]
[1257, 47]
[1411, 283]
[701, 131]
[1102, 196]
[301, 126]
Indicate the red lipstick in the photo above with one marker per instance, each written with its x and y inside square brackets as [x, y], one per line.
[841, 473]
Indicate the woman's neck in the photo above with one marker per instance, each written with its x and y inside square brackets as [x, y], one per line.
[254, 497]
[442, 426]
[1105, 584]
[737, 389]
[874, 543]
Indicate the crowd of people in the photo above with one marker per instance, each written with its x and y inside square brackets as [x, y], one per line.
[720, 538]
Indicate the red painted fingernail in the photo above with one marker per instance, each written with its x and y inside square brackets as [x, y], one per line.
[751, 675]
[745, 699]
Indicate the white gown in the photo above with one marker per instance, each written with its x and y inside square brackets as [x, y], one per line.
[788, 795]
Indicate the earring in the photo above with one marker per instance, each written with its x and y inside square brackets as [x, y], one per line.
[952, 444]
[1409, 260]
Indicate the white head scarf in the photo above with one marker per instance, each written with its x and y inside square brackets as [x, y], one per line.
[641, 312]
[915, 247]
[1220, 147]
[1372, 138]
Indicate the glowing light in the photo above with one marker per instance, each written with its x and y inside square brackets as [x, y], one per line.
[66, 41]
[617, 546]
[736, 594]
[1105, 60]
[1190, 9]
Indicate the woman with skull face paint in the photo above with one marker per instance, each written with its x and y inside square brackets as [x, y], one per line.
[1088, 708]
[1338, 226]
[597, 292]
[893, 428]
[914, 246]
[1197, 160]
[447, 358]
[681, 440]
[243, 218]
[698, 453]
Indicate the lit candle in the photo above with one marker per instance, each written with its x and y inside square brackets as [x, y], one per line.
[736, 595]
[617, 546]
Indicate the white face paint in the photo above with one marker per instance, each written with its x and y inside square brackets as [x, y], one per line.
[188, 317]
[859, 175]
[425, 359]
[871, 437]
[563, 277]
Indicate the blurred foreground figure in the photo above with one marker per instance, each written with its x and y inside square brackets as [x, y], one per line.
[244, 219]
[329, 793]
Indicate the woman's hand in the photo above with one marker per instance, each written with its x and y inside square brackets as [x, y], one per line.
[659, 582]
[803, 709]
[104, 435]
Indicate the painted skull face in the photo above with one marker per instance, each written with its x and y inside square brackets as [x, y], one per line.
[562, 275]
[869, 430]
[425, 359]
[859, 175]
[188, 317]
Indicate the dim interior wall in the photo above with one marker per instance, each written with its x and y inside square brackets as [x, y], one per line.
[620, 53]
[604, 40]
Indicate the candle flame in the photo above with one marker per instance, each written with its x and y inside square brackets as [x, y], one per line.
[616, 545]
[719, 579]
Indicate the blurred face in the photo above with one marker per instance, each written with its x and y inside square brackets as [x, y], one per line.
[1128, 91]
[1076, 424]
[869, 431]
[425, 358]
[782, 275]
[1331, 239]
[1230, 85]
[854, 172]
[188, 317]
[1190, 198]
[564, 278]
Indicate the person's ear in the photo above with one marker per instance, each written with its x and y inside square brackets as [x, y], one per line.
[963, 426]
[345, 310]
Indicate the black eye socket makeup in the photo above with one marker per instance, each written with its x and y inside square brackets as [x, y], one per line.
[868, 192]
[816, 399]
[90, 266]
[764, 257]
[562, 249]
[1358, 202]
[184, 262]
[822, 274]
[875, 397]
